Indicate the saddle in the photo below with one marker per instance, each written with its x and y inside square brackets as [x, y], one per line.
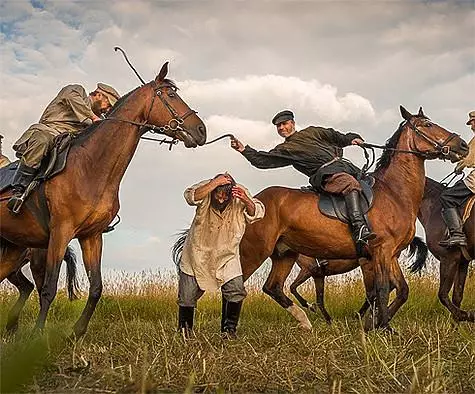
[51, 165]
[334, 206]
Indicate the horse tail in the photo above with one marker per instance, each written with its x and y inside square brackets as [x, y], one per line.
[419, 246]
[177, 248]
[71, 273]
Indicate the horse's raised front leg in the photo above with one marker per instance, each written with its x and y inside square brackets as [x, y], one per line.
[274, 287]
[25, 287]
[91, 252]
[58, 242]
[300, 279]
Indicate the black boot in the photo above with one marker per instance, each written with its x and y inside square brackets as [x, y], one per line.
[229, 323]
[185, 320]
[360, 231]
[22, 178]
[455, 225]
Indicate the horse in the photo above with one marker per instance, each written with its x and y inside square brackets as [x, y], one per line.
[293, 224]
[453, 262]
[319, 270]
[83, 199]
[37, 260]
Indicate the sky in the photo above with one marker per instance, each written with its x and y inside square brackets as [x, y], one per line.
[341, 64]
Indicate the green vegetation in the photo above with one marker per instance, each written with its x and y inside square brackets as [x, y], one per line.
[132, 345]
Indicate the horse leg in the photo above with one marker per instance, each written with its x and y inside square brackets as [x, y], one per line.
[448, 270]
[11, 258]
[301, 278]
[368, 271]
[56, 248]
[320, 292]
[383, 263]
[459, 284]
[25, 287]
[91, 251]
[402, 289]
[281, 267]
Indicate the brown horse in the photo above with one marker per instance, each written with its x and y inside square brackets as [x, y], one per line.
[453, 263]
[293, 221]
[83, 199]
[319, 270]
[37, 260]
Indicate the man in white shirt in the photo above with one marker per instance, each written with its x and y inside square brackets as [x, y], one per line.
[209, 259]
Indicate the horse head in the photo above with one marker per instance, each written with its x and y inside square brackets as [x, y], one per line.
[431, 140]
[171, 114]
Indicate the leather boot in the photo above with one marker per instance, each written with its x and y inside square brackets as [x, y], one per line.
[231, 310]
[455, 225]
[24, 175]
[185, 320]
[360, 231]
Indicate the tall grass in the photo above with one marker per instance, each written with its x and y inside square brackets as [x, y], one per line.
[132, 344]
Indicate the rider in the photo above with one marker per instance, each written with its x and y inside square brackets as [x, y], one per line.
[4, 160]
[316, 152]
[70, 112]
[454, 197]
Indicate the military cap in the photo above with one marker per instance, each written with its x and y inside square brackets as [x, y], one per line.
[283, 116]
[109, 92]
[471, 117]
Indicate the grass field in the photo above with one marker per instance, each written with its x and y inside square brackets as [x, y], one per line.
[132, 345]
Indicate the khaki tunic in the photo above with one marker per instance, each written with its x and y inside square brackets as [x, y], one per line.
[70, 111]
[469, 162]
[211, 250]
[4, 161]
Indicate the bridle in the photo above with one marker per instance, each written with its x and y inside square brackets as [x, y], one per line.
[174, 125]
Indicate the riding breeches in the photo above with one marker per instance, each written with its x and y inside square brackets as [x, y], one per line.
[32, 149]
[455, 196]
[189, 292]
[341, 183]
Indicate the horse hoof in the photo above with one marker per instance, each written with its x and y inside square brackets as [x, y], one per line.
[312, 308]
[11, 328]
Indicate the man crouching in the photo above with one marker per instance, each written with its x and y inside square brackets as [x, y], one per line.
[210, 253]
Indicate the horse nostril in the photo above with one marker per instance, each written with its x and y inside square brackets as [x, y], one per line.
[464, 145]
[202, 130]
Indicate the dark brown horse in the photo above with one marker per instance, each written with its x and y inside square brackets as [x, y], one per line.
[83, 199]
[453, 263]
[294, 223]
[37, 260]
[319, 270]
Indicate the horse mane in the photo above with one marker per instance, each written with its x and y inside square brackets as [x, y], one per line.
[385, 159]
[433, 187]
[88, 131]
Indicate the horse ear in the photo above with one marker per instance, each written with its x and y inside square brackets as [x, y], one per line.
[420, 113]
[405, 113]
[163, 73]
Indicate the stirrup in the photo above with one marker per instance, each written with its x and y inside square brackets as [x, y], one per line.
[15, 203]
[451, 242]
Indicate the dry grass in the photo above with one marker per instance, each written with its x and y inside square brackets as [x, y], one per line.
[132, 345]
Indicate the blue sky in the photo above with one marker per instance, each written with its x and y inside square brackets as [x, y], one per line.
[343, 64]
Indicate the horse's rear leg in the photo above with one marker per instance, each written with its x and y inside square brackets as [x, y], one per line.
[459, 283]
[281, 267]
[448, 270]
[25, 287]
[301, 278]
[91, 253]
[320, 296]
